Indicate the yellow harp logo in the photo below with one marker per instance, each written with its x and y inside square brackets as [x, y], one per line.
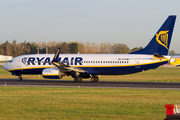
[162, 38]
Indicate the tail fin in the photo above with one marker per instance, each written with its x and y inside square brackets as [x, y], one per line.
[56, 56]
[161, 41]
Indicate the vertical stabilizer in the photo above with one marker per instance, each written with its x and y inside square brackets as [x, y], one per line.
[161, 41]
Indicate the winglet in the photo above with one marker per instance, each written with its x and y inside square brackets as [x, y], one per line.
[56, 56]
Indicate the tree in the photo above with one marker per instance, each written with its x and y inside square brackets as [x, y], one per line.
[172, 52]
[1, 49]
[8, 48]
[103, 48]
[81, 47]
[33, 47]
[64, 48]
[109, 48]
[73, 48]
[52, 47]
[120, 49]
[87, 48]
[136, 49]
[14, 47]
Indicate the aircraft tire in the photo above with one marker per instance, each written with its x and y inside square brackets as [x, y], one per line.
[94, 79]
[78, 79]
[19, 78]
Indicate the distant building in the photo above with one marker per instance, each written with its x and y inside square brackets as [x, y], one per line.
[5, 58]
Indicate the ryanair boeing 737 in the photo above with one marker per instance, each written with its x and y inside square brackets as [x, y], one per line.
[81, 66]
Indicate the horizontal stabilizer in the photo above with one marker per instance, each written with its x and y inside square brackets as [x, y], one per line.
[158, 56]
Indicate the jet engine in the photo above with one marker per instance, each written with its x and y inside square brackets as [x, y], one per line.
[52, 73]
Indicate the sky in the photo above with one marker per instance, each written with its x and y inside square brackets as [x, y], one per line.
[130, 22]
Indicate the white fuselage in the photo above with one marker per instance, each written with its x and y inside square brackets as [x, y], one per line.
[98, 64]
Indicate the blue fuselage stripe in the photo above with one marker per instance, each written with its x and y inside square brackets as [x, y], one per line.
[100, 70]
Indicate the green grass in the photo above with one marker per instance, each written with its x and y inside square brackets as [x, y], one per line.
[84, 103]
[3, 61]
[162, 74]
[43, 103]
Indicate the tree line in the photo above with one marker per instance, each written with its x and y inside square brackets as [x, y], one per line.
[15, 49]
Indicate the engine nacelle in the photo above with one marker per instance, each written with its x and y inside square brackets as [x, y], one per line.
[52, 73]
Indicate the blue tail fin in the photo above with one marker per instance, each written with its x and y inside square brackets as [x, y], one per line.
[161, 41]
[56, 56]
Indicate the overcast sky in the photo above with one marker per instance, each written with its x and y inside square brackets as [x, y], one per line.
[131, 22]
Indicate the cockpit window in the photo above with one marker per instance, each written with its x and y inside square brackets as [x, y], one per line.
[10, 61]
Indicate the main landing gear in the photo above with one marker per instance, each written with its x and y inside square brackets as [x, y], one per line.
[94, 78]
[78, 79]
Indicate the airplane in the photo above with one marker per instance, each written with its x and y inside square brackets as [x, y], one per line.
[81, 66]
[175, 61]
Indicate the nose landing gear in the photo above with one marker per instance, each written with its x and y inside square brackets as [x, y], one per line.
[19, 78]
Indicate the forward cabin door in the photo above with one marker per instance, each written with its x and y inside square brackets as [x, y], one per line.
[137, 63]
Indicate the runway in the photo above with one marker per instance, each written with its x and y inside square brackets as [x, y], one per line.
[100, 84]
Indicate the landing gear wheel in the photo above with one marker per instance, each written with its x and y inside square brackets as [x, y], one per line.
[94, 79]
[20, 78]
[78, 79]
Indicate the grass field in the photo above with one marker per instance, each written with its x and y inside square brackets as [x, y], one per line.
[90, 103]
[84, 103]
[3, 61]
[162, 74]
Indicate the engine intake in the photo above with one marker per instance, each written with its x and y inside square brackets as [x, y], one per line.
[52, 73]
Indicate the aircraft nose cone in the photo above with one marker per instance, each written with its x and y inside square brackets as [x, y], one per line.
[5, 66]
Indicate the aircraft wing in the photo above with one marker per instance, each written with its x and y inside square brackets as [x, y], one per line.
[64, 67]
